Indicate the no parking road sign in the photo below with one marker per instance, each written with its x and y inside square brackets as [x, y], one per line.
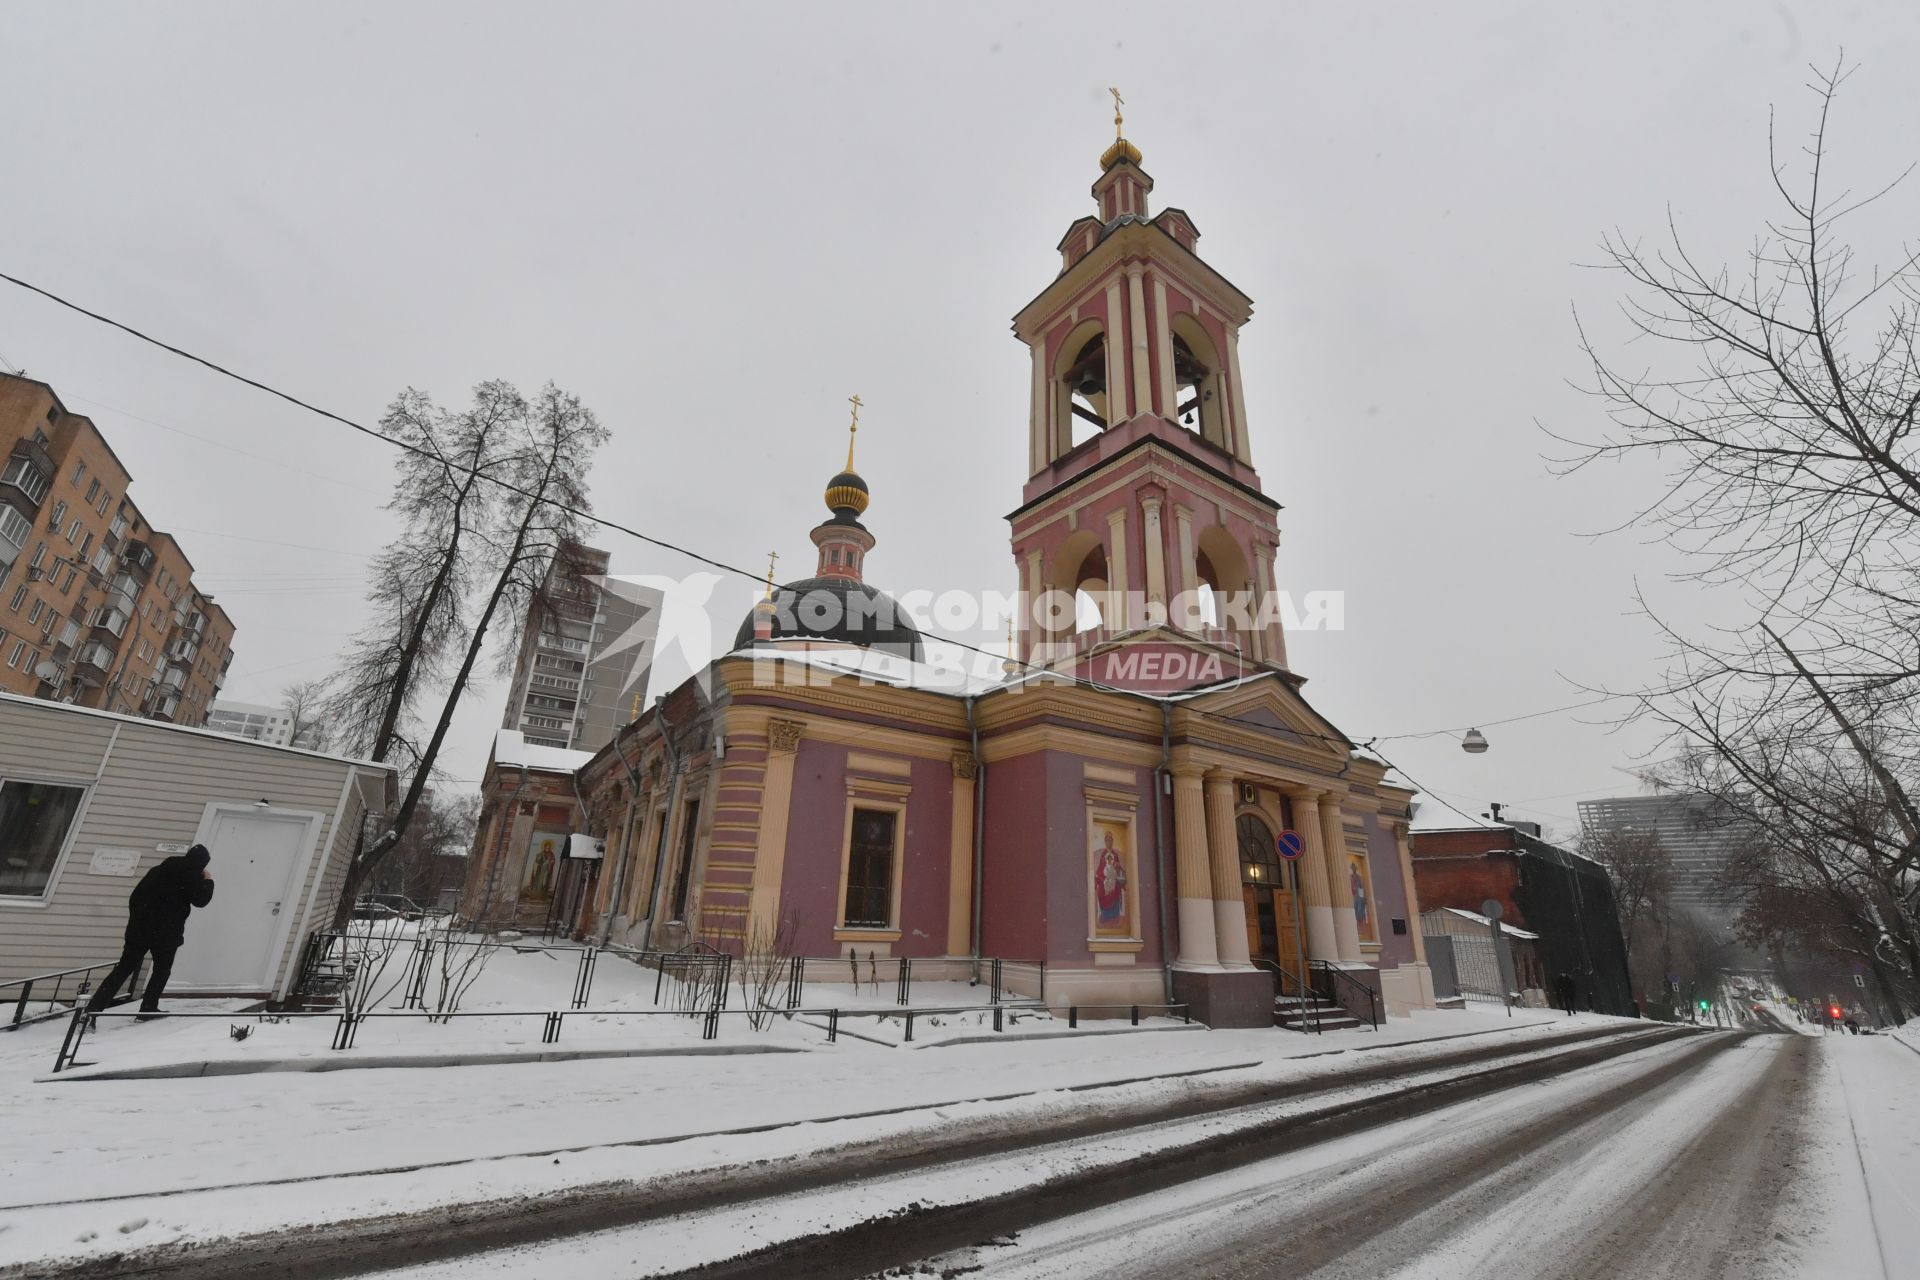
[1289, 845]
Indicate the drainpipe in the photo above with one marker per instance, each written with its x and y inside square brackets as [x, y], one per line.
[666, 820]
[979, 833]
[1160, 840]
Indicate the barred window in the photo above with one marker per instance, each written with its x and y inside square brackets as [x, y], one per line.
[870, 869]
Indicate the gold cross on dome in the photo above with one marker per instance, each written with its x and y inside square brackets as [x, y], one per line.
[1118, 102]
[773, 558]
[853, 428]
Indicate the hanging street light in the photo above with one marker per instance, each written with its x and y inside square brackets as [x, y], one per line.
[1474, 743]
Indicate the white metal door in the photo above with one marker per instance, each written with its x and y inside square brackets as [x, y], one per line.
[257, 861]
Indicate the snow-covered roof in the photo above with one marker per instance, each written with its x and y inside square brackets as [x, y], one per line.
[510, 747]
[1477, 918]
[67, 708]
[1430, 813]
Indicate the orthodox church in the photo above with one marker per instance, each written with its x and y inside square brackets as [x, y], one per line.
[1140, 811]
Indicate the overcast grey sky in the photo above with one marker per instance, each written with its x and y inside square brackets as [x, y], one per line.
[716, 222]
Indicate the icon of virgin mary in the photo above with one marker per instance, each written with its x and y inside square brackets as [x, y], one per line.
[1109, 887]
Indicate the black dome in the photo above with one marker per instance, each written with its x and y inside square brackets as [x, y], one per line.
[838, 609]
[849, 479]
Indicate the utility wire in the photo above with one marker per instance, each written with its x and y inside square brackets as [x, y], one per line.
[664, 544]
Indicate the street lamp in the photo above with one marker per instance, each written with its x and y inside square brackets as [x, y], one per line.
[1474, 743]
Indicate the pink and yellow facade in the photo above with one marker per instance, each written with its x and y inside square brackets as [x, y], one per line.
[1117, 807]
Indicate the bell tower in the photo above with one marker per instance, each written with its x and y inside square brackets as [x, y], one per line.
[1141, 498]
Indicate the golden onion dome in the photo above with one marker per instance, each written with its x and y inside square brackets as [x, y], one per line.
[1120, 150]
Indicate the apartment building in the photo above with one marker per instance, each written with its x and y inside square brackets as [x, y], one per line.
[97, 608]
[584, 655]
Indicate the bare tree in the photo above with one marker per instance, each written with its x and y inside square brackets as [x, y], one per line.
[308, 714]
[490, 499]
[1641, 870]
[1786, 419]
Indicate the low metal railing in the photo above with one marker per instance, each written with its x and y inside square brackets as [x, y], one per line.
[51, 986]
[1133, 1012]
[900, 970]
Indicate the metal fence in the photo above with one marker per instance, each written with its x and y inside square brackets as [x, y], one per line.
[1480, 968]
[55, 992]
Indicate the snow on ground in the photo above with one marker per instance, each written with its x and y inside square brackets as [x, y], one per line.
[1103, 1242]
[198, 1158]
[1867, 1111]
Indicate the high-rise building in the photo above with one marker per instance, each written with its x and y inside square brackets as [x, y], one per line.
[97, 608]
[259, 722]
[585, 651]
[1699, 833]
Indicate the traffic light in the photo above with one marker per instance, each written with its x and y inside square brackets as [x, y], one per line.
[1704, 1006]
[1833, 1011]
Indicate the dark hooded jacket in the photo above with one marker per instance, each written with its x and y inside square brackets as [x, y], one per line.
[157, 912]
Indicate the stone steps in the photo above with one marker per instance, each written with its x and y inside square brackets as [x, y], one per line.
[1288, 1013]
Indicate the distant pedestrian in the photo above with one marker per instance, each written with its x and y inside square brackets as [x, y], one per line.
[1563, 992]
[157, 912]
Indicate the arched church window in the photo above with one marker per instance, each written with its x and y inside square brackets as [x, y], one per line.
[1260, 863]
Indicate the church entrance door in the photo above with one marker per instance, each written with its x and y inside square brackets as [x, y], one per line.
[1267, 890]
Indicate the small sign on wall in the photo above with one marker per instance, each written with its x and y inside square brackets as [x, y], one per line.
[170, 848]
[114, 862]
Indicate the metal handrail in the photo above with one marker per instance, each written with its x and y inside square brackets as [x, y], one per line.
[26, 985]
[1303, 991]
[1335, 976]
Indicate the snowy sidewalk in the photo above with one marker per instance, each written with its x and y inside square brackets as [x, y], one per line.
[290, 1149]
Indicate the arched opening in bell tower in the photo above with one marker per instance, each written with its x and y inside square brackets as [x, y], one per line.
[1080, 385]
[1220, 572]
[1199, 388]
[1080, 568]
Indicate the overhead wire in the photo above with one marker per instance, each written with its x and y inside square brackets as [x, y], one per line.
[668, 545]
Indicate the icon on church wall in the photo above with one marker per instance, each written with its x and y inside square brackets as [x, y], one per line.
[1112, 898]
[1360, 883]
[543, 860]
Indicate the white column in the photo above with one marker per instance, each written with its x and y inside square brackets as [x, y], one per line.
[1156, 547]
[1238, 397]
[1142, 371]
[1114, 611]
[1345, 932]
[1184, 583]
[1032, 632]
[1039, 438]
[1229, 902]
[1193, 869]
[1163, 348]
[1312, 865]
[1116, 358]
[1272, 637]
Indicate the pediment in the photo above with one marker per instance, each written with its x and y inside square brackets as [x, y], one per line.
[1273, 704]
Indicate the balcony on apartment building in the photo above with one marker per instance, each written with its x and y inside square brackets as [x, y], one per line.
[560, 643]
[182, 651]
[93, 662]
[137, 556]
[109, 623]
[28, 474]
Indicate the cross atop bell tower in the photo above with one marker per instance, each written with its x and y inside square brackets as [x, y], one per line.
[1141, 487]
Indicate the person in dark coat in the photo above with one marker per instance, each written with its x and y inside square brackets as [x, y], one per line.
[1564, 992]
[157, 912]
